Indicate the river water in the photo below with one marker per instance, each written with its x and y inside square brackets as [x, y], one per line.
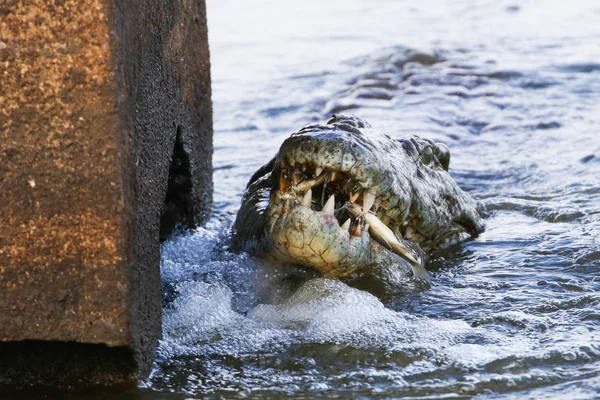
[513, 88]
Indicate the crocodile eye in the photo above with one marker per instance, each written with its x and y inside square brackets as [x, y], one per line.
[427, 155]
[442, 152]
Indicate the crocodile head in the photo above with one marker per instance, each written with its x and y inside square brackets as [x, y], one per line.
[341, 198]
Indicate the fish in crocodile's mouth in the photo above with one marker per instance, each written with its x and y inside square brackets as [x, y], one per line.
[341, 198]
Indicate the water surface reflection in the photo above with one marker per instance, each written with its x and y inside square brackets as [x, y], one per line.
[513, 90]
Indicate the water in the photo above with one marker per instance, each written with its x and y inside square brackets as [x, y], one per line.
[513, 88]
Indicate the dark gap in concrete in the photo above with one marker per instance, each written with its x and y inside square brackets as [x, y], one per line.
[40, 364]
[178, 211]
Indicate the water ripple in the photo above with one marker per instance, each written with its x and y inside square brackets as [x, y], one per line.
[513, 90]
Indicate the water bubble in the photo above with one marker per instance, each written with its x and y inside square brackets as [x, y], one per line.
[467, 389]
[319, 387]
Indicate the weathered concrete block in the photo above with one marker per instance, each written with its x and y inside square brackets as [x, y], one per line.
[99, 101]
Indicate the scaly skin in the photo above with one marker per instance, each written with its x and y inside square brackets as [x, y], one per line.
[393, 201]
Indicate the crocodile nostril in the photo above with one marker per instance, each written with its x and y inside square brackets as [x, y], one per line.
[409, 147]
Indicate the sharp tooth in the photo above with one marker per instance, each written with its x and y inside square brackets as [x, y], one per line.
[332, 176]
[409, 232]
[329, 207]
[309, 183]
[283, 183]
[385, 237]
[318, 171]
[346, 225]
[368, 200]
[307, 199]
[354, 196]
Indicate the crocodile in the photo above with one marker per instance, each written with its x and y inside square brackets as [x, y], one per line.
[342, 198]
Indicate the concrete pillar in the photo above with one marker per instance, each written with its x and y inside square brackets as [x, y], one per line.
[105, 147]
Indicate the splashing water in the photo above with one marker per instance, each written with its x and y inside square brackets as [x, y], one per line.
[513, 90]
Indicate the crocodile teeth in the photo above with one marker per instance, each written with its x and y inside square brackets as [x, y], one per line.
[354, 196]
[310, 183]
[307, 199]
[332, 176]
[295, 179]
[329, 207]
[385, 237]
[368, 200]
[318, 171]
[283, 184]
[346, 225]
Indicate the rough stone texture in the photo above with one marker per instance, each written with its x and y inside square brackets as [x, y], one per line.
[93, 94]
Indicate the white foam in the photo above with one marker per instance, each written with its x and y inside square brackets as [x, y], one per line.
[183, 255]
[230, 305]
[199, 312]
